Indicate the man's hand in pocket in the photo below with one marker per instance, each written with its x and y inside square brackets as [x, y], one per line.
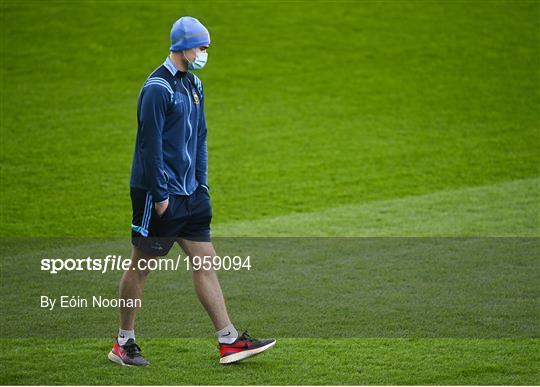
[161, 207]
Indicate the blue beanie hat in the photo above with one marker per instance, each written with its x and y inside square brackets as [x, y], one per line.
[187, 32]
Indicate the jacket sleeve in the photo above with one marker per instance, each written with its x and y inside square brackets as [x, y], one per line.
[201, 172]
[152, 118]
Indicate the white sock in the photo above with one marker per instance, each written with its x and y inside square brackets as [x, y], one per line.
[124, 336]
[227, 335]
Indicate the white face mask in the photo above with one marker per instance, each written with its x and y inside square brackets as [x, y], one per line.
[199, 62]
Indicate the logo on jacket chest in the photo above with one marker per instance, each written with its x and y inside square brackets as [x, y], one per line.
[195, 96]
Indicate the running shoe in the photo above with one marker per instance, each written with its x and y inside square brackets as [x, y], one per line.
[245, 346]
[128, 354]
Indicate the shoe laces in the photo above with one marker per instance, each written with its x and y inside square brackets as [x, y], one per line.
[132, 349]
[245, 336]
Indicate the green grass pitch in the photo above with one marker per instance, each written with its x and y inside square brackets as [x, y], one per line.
[326, 119]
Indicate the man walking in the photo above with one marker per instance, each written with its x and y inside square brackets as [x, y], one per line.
[170, 192]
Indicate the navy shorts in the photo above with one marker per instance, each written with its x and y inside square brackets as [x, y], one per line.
[186, 217]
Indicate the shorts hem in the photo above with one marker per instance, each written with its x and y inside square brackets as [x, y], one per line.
[143, 246]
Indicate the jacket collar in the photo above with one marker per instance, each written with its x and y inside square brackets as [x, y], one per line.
[172, 68]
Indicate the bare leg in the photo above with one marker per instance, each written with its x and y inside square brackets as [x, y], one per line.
[207, 284]
[131, 286]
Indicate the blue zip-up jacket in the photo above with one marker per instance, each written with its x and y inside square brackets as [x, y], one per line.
[171, 154]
